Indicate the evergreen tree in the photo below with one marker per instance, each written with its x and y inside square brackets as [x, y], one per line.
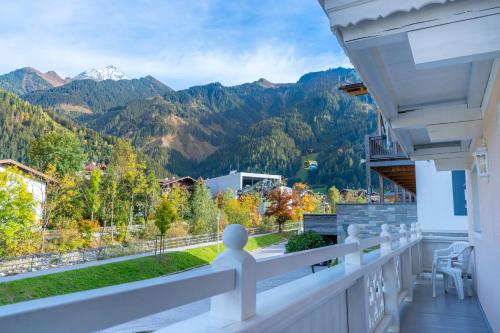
[204, 210]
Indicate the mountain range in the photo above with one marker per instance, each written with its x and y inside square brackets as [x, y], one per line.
[210, 129]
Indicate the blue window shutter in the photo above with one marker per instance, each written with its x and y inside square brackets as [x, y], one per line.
[458, 184]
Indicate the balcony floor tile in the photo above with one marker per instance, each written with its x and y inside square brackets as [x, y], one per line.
[443, 314]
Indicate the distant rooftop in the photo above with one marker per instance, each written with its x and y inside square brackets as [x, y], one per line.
[27, 169]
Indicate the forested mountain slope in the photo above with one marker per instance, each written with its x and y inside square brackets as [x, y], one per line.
[22, 123]
[88, 96]
[208, 130]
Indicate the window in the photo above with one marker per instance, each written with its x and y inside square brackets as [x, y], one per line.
[475, 201]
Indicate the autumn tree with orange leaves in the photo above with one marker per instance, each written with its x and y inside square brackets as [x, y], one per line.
[281, 206]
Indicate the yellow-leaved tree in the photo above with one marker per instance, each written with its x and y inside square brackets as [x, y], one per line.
[19, 230]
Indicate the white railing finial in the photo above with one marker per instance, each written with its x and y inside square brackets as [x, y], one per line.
[419, 230]
[240, 303]
[403, 234]
[234, 237]
[386, 245]
[353, 259]
[413, 232]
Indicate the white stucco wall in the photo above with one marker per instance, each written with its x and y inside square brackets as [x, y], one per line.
[235, 181]
[38, 189]
[222, 183]
[487, 241]
[435, 199]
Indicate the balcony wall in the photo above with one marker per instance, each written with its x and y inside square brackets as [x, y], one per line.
[484, 216]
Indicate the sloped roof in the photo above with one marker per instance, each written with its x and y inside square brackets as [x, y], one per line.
[27, 169]
[176, 180]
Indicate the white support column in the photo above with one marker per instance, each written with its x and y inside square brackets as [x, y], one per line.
[240, 303]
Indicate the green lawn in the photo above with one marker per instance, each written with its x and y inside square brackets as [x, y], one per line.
[117, 273]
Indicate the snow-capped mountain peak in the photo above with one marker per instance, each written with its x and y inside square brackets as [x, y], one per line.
[100, 74]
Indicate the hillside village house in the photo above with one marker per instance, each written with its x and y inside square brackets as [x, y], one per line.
[167, 184]
[433, 68]
[36, 182]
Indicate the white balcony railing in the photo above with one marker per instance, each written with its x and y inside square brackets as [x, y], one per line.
[362, 294]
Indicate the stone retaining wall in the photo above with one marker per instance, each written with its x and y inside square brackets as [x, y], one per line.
[371, 216]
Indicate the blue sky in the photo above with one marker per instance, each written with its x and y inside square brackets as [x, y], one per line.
[180, 42]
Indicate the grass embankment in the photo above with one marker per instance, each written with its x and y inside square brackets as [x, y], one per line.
[119, 272]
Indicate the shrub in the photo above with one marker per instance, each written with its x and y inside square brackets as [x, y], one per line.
[305, 241]
[178, 229]
[87, 229]
[267, 223]
[150, 231]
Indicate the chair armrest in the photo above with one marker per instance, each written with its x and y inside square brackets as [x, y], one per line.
[436, 259]
[441, 252]
[444, 262]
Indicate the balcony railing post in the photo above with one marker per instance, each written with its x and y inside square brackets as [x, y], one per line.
[419, 230]
[391, 291]
[386, 246]
[413, 232]
[354, 259]
[403, 235]
[406, 273]
[240, 303]
[357, 298]
[419, 249]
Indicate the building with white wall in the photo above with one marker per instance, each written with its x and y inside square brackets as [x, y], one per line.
[433, 68]
[238, 181]
[441, 204]
[36, 183]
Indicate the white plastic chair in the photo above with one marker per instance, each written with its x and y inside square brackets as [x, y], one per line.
[455, 266]
[451, 251]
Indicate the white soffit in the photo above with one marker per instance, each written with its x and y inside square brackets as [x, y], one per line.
[450, 164]
[426, 63]
[421, 118]
[350, 12]
[455, 131]
[462, 42]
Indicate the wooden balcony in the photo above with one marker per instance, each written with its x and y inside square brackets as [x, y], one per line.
[390, 161]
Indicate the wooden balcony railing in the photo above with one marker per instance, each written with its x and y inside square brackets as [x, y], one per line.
[362, 294]
[380, 149]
